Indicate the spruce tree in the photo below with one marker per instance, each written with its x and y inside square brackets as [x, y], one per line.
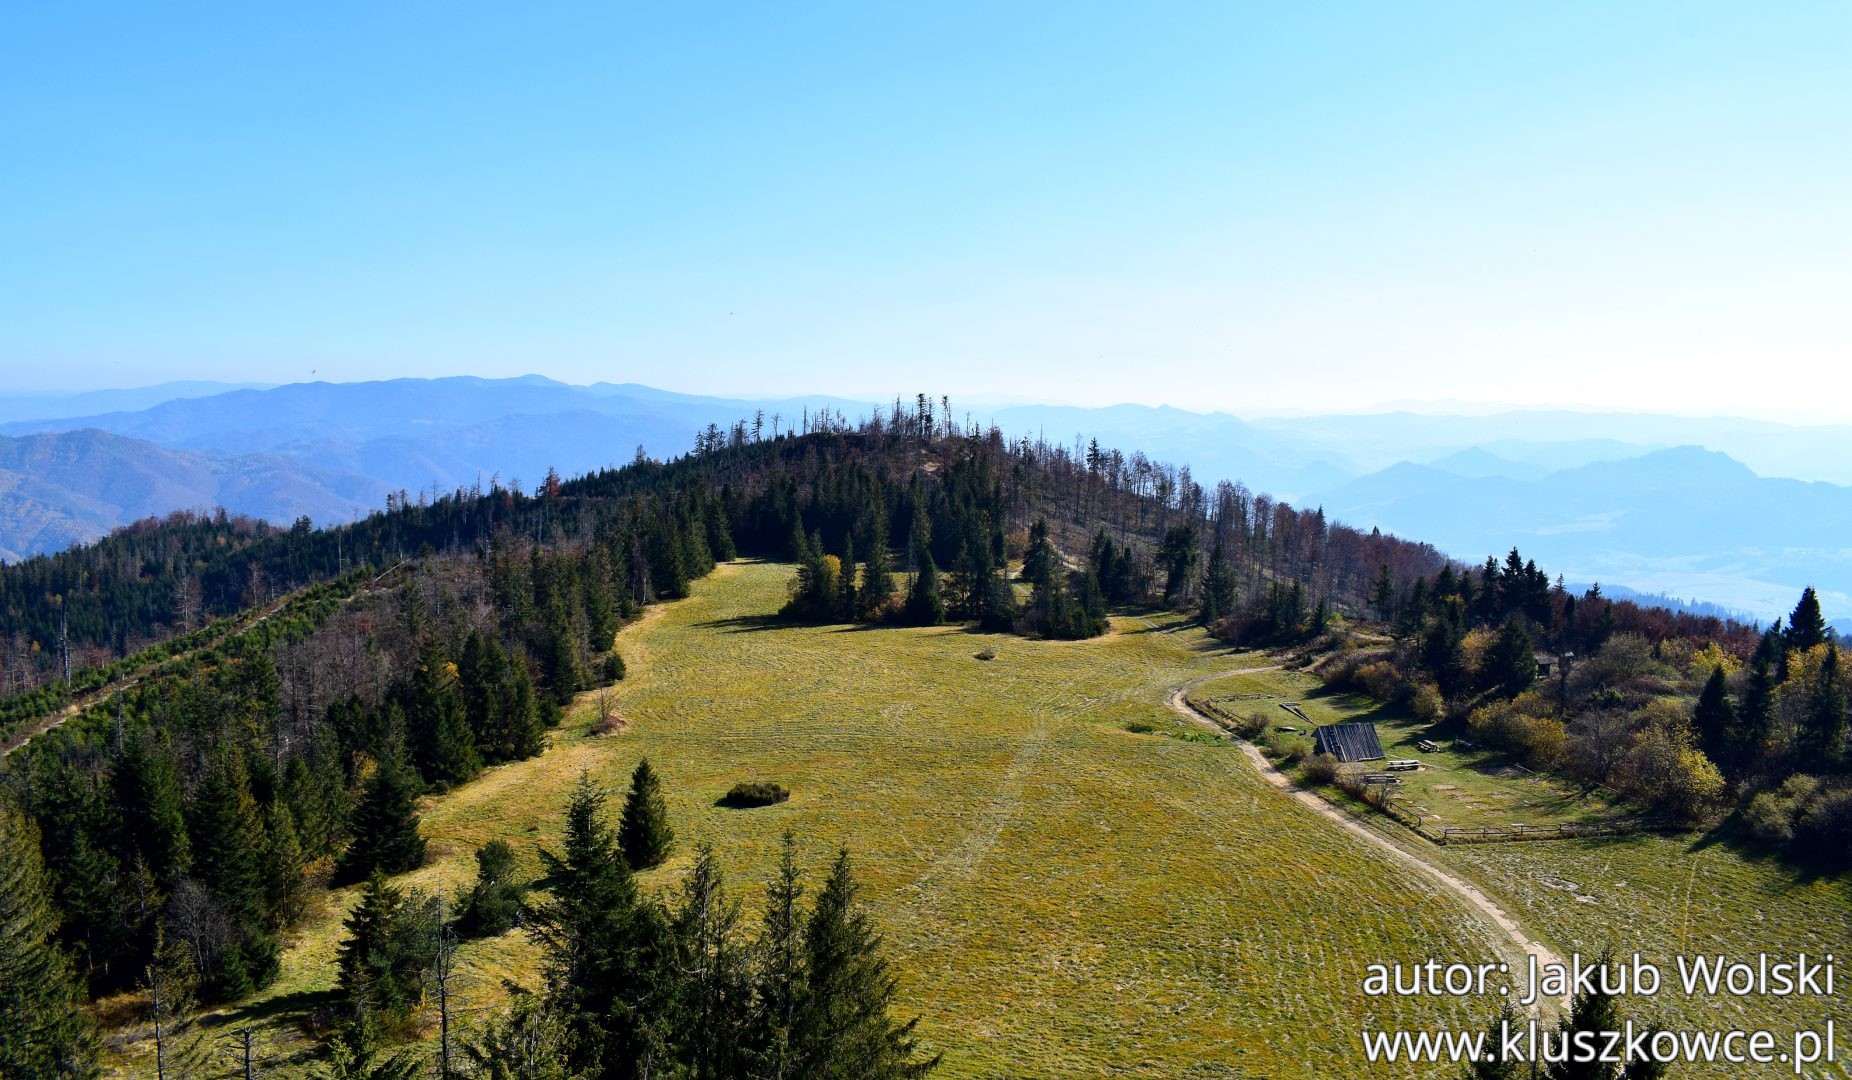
[563, 668]
[1822, 736]
[391, 940]
[643, 832]
[228, 846]
[1218, 589]
[152, 811]
[877, 572]
[604, 950]
[385, 824]
[1713, 718]
[1754, 720]
[522, 725]
[1511, 661]
[283, 865]
[1806, 626]
[443, 747]
[44, 1029]
[779, 971]
[712, 1026]
[1382, 594]
[1508, 1017]
[843, 1030]
[925, 606]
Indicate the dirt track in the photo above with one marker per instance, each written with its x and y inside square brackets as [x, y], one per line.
[1540, 953]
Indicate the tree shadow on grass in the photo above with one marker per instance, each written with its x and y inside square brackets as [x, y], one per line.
[301, 1006]
[748, 624]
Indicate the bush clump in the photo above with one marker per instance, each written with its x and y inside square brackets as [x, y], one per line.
[1139, 727]
[754, 793]
[1320, 769]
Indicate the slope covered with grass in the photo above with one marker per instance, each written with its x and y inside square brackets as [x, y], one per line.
[1062, 896]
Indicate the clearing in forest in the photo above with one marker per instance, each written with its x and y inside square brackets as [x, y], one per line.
[1062, 896]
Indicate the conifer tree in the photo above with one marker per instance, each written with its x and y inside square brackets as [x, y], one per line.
[843, 1030]
[385, 825]
[152, 811]
[877, 571]
[283, 864]
[643, 832]
[1382, 594]
[719, 533]
[1218, 589]
[1822, 736]
[1754, 720]
[489, 907]
[604, 951]
[713, 1023]
[529, 1043]
[44, 1030]
[925, 606]
[1714, 718]
[1511, 661]
[779, 971]
[391, 939]
[842, 605]
[563, 668]
[228, 846]
[1508, 1017]
[1806, 626]
[443, 747]
[518, 713]
[1040, 561]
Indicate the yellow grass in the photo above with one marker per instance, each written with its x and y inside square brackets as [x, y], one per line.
[1062, 897]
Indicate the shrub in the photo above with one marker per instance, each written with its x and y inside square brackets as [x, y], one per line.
[612, 668]
[1139, 727]
[1769, 817]
[1320, 769]
[491, 906]
[1522, 726]
[1426, 702]
[985, 654]
[1252, 725]
[1824, 829]
[754, 793]
[1381, 681]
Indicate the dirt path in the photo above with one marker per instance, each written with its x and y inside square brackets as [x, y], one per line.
[1539, 952]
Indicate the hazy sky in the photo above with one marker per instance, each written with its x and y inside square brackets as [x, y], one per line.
[1255, 208]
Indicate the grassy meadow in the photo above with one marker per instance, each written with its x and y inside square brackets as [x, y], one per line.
[1662, 895]
[1455, 787]
[1062, 896]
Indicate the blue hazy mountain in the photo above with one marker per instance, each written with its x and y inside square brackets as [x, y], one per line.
[1684, 521]
[62, 404]
[63, 488]
[1626, 499]
[1565, 439]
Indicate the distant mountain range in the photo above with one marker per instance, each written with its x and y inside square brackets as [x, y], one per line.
[65, 488]
[1627, 499]
[1685, 521]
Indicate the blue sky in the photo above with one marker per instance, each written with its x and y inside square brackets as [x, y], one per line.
[1227, 206]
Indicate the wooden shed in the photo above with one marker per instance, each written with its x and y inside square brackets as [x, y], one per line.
[1348, 742]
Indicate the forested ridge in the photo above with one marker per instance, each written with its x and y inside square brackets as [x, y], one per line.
[166, 836]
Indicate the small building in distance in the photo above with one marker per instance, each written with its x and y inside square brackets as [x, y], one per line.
[1546, 666]
[1348, 742]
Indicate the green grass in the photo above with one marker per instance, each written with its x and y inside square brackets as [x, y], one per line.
[1667, 895]
[1062, 896]
[1662, 895]
[1461, 788]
